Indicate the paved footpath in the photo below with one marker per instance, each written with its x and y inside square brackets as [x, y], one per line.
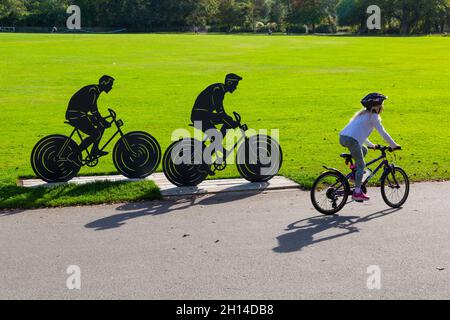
[169, 190]
[231, 246]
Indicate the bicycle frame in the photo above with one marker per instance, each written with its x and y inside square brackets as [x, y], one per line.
[384, 163]
[243, 129]
[118, 123]
[227, 152]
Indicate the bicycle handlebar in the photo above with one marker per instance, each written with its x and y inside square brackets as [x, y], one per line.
[112, 113]
[238, 119]
[390, 149]
[113, 116]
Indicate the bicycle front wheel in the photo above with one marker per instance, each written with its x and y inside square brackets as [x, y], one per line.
[137, 155]
[395, 187]
[259, 158]
[330, 192]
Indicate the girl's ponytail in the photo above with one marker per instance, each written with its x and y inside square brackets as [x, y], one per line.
[359, 113]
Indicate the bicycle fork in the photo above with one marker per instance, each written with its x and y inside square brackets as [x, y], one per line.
[125, 141]
[390, 169]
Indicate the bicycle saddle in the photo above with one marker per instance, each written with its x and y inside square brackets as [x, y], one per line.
[346, 156]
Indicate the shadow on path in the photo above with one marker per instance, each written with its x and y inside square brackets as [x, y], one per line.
[141, 209]
[305, 232]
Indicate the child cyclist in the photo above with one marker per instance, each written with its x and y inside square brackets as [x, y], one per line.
[356, 133]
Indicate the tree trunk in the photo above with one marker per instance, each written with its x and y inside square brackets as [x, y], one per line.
[332, 24]
[362, 24]
[404, 24]
[404, 27]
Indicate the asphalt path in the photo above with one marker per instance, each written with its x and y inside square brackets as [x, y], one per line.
[271, 245]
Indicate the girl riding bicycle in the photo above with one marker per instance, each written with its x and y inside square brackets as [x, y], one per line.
[356, 133]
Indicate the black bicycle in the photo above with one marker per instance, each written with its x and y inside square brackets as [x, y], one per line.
[331, 190]
[57, 158]
[187, 162]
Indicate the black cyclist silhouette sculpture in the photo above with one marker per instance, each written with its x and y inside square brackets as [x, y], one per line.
[188, 161]
[58, 158]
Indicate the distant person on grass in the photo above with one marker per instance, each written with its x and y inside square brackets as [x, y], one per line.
[356, 133]
[83, 114]
[208, 110]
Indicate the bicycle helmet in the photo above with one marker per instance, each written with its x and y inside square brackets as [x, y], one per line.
[373, 99]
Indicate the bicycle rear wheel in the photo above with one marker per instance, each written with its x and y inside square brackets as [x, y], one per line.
[330, 192]
[56, 158]
[395, 187]
[183, 163]
[137, 155]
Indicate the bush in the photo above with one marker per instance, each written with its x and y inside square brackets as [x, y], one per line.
[240, 29]
[346, 29]
[227, 29]
[260, 26]
[392, 30]
[296, 29]
[324, 28]
[272, 26]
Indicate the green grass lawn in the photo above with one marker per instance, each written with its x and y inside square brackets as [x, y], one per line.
[307, 87]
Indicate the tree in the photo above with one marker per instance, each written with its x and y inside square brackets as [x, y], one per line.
[419, 16]
[233, 13]
[309, 12]
[260, 10]
[405, 12]
[433, 16]
[446, 23]
[202, 12]
[277, 11]
[348, 12]
[329, 6]
[46, 12]
[12, 11]
[354, 12]
[407, 16]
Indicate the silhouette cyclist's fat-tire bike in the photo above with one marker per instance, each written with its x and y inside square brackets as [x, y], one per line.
[251, 159]
[57, 158]
[331, 189]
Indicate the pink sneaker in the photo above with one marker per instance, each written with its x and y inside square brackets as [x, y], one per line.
[360, 197]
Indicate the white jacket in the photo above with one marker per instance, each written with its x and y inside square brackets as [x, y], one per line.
[361, 127]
